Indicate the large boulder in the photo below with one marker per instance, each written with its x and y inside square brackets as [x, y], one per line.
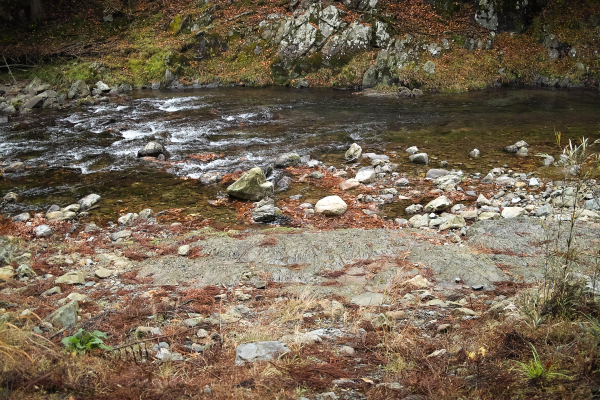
[251, 186]
[287, 160]
[442, 203]
[331, 205]
[353, 153]
[153, 149]
[78, 90]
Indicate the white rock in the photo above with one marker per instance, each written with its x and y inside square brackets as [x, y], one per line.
[353, 153]
[512, 212]
[365, 175]
[183, 250]
[474, 153]
[442, 203]
[43, 231]
[331, 205]
[412, 150]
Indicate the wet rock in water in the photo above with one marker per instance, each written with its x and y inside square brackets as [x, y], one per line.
[284, 183]
[266, 211]
[365, 175]
[10, 197]
[127, 219]
[547, 161]
[43, 231]
[146, 213]
[15, 167]
[34, 102]
[78, 90]
[251, 186]
[475, 153]
[89, 201]
[65, 316]
[210, 178]
[353, 153]
[153, 149]
[259, 351]
[287, 160]
[412, 150]
[522, 152]
[23, 217]
[419, 158]
[349, 184]
[514, 148]
[71, 278]
[331, 205]
[442, 203]
[414, 209]
[512, 212]
[435, 173]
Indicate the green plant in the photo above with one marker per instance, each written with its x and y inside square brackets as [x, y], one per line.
[85, 341]
[563, 290]
[536, 371]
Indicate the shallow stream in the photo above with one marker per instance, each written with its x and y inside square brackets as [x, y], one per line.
[71, 153]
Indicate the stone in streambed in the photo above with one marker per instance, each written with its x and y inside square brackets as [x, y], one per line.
[442, 203]
[251, 186]
[365, 175]
[89, 201]
[331, 205]
[266, 211]
[287, 160]
[419, 158]
[353, 153]
[153, 149]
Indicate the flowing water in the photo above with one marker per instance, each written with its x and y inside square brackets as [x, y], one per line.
[93, 149]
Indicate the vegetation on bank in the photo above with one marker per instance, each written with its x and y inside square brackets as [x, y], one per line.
[221, 42]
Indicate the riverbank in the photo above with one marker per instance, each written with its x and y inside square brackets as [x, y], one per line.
[351, 44]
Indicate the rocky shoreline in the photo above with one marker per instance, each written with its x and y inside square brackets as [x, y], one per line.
[333, 276]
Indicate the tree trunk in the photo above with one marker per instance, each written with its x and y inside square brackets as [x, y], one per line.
[36, 10]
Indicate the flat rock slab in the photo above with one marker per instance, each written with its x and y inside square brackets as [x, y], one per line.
[488, 245]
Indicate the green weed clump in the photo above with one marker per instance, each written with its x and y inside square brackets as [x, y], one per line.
[536, 371]
[83, 341]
